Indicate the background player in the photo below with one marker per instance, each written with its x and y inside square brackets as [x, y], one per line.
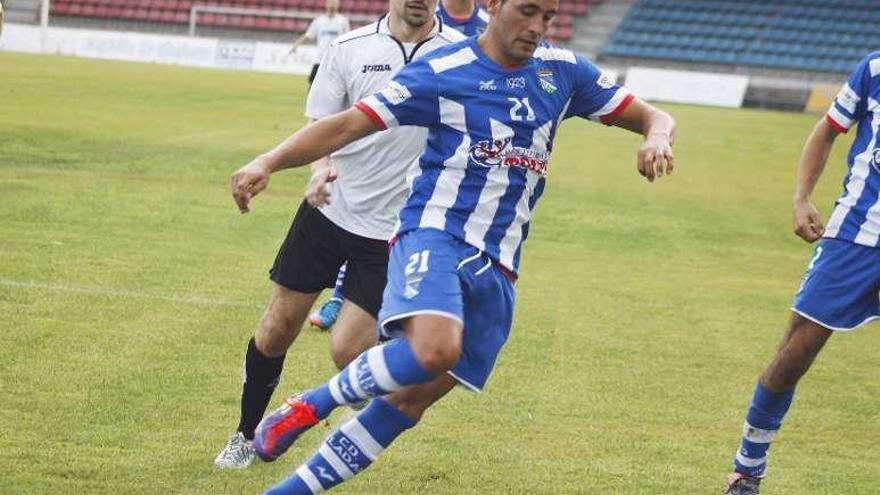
[357, 223]
[323, 30]
[839, 290]
[493, 105]
[467, 17]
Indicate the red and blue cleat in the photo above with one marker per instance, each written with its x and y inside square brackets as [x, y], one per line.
[277, 431]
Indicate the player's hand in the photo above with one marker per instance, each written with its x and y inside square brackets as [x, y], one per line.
[248, 181]
[316, 192]
[656, 157]
[807, 222]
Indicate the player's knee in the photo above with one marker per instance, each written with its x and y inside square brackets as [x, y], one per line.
[411, 404]
[275, 333]
[440, 358]
[343, 355]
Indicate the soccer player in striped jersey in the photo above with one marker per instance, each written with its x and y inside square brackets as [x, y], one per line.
[492, 106]
[839, 289]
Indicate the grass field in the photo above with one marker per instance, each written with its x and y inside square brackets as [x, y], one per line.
[129, 286]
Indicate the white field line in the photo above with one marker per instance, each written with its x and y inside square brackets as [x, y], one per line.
[123, 293]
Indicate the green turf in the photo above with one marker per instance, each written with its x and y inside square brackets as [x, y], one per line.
[129, 286]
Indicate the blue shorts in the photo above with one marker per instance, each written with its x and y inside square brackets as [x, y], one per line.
[432, 272]
[841, 286]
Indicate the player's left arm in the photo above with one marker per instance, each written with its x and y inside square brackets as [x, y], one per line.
[655, 157]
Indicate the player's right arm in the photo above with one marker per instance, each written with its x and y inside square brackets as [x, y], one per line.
[806, 219]
[310, 143]
[848, 107]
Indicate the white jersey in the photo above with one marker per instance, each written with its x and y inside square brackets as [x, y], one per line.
[324, 29]
[371, 187]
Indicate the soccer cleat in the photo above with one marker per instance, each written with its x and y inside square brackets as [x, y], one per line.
[238, 453]
[326, 315]
[740, 484]
[277, 431]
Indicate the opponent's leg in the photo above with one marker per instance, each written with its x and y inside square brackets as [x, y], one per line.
[354, 333]
[354, 446]
[771, 400]
[431, 347]
[263, 363]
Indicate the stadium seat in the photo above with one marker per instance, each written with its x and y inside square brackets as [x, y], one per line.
[815, 35]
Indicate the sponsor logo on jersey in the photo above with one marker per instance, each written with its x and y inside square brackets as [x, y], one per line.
[396, 93]
[548, 83]
[488, 85]
[376, 68]
[501, 153]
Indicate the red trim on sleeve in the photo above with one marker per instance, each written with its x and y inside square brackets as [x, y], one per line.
[606, 119]
[363, 107]
[837, 127]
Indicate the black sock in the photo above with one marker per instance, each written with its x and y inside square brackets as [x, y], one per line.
[261, 377]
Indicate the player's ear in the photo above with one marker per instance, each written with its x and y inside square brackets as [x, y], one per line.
[492, 6]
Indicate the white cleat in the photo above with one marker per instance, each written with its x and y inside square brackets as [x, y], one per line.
[238, 454]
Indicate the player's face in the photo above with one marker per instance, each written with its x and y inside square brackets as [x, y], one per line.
[415, 13]
[520, 24]
[332, 5]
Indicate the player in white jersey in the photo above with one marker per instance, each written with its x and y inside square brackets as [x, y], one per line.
[839, 289]
[492, 105]
[359, 219]
[323, 30]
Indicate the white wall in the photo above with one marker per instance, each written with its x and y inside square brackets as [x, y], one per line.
[157, 48]
[675, 86]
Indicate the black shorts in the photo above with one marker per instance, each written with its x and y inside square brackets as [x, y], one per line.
[315, 249]
[313, 73]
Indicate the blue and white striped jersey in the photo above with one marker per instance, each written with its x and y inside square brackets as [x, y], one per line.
[490, 134]
[856, 216]
[472, 25]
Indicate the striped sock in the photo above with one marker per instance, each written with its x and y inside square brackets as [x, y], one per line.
[762, 422]
[348, 451]
[376, 372]
[337, 290]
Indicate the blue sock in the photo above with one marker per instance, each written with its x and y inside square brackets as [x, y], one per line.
[378, 371]
[347, 451]
[762, 422]
[337, 290]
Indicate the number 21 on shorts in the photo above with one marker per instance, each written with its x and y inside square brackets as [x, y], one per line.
[418, 263]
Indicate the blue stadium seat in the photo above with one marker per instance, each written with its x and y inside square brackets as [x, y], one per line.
[820, 35]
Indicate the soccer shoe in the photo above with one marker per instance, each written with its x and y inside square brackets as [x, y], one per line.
[238, 453]
[740, 484]
[277, 431]
[326, 315]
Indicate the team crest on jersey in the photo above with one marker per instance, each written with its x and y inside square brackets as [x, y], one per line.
[548, 83]
[502, 153]
[396, 93]
[876, 158]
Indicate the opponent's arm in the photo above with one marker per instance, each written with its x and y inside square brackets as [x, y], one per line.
[658, 127]
[805, 217]
[308, 144]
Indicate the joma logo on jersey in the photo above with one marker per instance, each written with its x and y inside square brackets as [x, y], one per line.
[376, 68]
[501, 153]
